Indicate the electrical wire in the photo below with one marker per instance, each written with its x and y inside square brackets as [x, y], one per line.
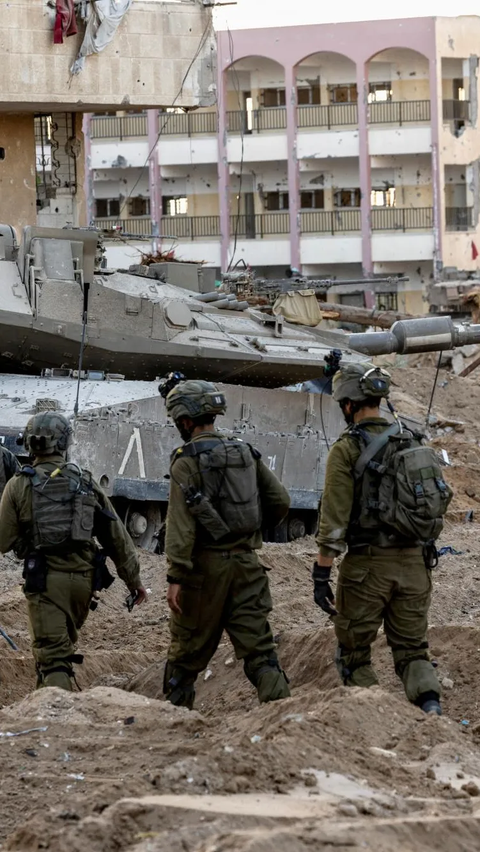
[434, 388]
[242, 138]
[199, 49]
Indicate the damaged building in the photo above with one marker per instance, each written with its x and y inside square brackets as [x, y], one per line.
[342, 150]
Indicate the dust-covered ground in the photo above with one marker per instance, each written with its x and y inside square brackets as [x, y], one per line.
[115, 769]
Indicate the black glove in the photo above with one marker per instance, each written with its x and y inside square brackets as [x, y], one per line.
[323, 595]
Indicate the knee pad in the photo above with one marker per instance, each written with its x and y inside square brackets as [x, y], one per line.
[178, 686]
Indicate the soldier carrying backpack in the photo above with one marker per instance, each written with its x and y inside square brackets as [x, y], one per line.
[383, 504]
[220, 495]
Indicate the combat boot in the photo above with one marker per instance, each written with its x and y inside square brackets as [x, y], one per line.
[266, 675]
[429, 703]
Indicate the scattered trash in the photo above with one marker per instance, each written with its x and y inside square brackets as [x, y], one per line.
[465, 722]
[79, 777]
[21, 733]
[447, 683]
[230, 661]
[385, 752]
[31, 752]
[293, 717]
[129, 720]
[255, 739]
[449, 550]
[208, 674]
[469, 517]
[190, 780]
[7, 639]
[65, 757]
[445, 457]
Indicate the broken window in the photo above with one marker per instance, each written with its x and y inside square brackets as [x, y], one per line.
[379, 92]
[273, 97]
[174, 205]
[386, 301]
[347, 198]
[276, 201]
[107, 207]
[312, 199]
[308, 95]
[139, 206]
[383, 197]
[346, 94]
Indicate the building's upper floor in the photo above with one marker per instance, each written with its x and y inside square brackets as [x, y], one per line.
[163, 52]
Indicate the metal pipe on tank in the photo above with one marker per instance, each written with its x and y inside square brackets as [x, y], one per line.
[426, 334]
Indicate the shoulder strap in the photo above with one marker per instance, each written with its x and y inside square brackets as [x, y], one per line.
[194, 448]
[374, 446]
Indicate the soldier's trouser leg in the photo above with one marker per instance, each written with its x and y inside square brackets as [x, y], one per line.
[246, 622]
[195, 634]
[406, 624]
[360, 601]
[55, 617]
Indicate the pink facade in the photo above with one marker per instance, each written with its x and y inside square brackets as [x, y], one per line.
[289, 46]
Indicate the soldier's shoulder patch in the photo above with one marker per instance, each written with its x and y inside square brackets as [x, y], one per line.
[176, 455]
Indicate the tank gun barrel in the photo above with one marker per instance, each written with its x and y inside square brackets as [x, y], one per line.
[428, 334]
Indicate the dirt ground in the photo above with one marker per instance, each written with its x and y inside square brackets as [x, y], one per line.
[115, 769]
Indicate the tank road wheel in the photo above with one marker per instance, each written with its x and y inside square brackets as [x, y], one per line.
[144, 521]
[296, 528]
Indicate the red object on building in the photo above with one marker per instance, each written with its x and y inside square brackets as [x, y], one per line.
[474, 251]
[65, 21]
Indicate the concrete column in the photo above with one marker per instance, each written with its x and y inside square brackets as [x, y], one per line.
[88, 181]
[154, 178]
[365, 176]
[293, 165]
[18, 192]
[438, 180]
[223, 170]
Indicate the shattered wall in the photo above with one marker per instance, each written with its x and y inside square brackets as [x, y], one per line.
[143, 66]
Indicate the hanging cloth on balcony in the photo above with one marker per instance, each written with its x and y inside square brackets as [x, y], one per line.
[298, 306]
[65, 21]
[103, 20]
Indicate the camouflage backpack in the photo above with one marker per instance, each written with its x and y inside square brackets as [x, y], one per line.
[402, 486]
[63, 506]
[228, 502]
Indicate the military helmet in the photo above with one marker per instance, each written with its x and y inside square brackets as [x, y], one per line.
[360, 381]
[195, 398]
[47, 433]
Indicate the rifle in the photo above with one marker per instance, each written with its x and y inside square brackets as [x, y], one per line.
[7, 639]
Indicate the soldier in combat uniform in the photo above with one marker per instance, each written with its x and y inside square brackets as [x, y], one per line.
[8, 467]
[50, 513]
[220, 494]
[384, 576]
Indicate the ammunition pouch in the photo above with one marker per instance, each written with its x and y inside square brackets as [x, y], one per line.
[102, 579]
[205, 513]
[35, 573]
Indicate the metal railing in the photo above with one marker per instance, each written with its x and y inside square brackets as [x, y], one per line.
[458, 218]
[402, 218]
[141, 227]
[187, 123]
[256, 121]
[260, 225]
[398, 112]
[190, 227]
[118, 126]
[456, 110]
[331, 221]
[329, 115]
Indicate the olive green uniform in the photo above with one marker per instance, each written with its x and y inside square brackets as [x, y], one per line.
[224, 587]
[8, 467]
[376, 583]
[57, 614]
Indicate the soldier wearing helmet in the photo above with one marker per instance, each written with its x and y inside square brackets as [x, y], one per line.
[51, 513]
[383, 576]
[221, 494]
[8, 467]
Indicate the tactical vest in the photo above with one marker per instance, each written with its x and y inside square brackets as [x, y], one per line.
[227, 505]
[401, 496]
[63, 507]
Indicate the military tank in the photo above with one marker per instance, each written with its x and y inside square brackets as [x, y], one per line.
[57, 308]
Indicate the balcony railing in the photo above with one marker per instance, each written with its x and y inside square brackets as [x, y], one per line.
[398, 112]
[331, 221]
[329, 115]
[260, 225]
[459, 218]
[141, 227]
[190, 227]
[258, 120]
[118, 126]
[456, 110]
[402, 219]
[187, 123]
